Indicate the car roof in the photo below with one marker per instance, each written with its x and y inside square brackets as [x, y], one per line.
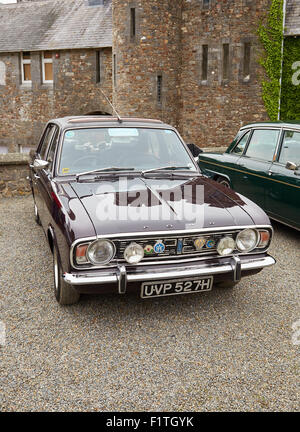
[288, 124]
[107, 121]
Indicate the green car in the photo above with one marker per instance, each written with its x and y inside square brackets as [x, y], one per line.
[262, 163]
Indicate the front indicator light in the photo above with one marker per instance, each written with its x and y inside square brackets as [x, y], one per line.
[134, 253]
[247, 240]
[264, 239]
[226, 246]
[81, 254]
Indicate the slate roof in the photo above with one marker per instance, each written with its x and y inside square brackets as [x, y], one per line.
[292, 23]
[56, 24]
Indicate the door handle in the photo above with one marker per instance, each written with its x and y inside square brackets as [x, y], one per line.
[270, 172]
[36, 176]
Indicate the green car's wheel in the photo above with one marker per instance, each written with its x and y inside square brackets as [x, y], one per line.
[223, 181]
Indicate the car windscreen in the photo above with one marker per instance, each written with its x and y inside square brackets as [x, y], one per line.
[139, 148]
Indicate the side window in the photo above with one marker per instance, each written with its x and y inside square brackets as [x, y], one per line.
[263, 144]
[290, 149]
[45, 141]
[239, 148]
[52, 148]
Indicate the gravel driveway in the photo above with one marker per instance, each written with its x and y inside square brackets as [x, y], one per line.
[222, 350]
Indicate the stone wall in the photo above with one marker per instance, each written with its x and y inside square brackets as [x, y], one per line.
[13, 173]
[154, 50]
[24, 110]
[214, 109]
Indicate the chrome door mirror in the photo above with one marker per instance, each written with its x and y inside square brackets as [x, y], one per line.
[40, 164]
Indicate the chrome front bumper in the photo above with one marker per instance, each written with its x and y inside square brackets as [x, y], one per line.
[230, 267]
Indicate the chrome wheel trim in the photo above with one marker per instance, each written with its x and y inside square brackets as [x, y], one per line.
[225, 183]
[56, 271]
[35, 211]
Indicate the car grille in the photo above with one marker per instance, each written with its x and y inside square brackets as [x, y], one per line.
[173, 246]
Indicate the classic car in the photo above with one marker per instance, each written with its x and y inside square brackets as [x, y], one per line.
[125, 207]
[262, 163]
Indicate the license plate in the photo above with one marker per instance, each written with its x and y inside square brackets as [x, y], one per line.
[175, 287]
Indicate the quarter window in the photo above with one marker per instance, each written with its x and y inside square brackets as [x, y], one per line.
[263, 144]
[26, 67]
[47, 67]
[52, 148]
[239, 148]
[46, 140]
[290, 149]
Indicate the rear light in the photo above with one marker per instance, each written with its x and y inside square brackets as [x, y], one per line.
[264, 239]
[81, 254]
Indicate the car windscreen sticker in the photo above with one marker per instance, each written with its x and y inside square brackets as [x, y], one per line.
[70, 134]
[65, 170]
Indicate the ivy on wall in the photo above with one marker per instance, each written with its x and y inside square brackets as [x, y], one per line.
[271, 35]
[290, 93]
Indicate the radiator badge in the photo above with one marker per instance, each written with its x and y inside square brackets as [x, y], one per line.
[159, 247]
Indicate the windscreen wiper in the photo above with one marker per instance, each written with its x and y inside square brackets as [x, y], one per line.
[104, 170]
[172, 168]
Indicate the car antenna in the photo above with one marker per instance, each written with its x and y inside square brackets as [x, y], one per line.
[114, 109]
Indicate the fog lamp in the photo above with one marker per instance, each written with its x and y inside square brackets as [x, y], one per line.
[226, 246]
[134, 253]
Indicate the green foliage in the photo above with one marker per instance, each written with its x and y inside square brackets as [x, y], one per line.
[271, 35]
[290, 99]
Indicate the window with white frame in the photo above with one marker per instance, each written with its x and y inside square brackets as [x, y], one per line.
[47, 67]
[26, 67]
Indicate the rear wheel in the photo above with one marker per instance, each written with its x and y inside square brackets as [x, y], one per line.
[64, 293]
[223, 181]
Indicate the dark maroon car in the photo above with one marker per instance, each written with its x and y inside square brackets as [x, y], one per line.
[125, 207]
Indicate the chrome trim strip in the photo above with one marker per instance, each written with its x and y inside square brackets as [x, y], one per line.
[205, 270]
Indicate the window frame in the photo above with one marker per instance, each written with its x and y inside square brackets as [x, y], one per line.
[46, 61]
[23, 62]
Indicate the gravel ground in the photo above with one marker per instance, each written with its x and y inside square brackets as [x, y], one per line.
[217, 351]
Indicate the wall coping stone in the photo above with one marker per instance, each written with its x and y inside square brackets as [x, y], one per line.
[14, 159]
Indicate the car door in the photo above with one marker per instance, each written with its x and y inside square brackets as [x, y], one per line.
[253, 166]
[36, 174]
[283, 192]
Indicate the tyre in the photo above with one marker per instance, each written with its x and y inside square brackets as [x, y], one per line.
[36, 215]
[64, 293]
[223, 181]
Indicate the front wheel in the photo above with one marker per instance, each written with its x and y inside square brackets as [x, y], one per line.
[65, 294]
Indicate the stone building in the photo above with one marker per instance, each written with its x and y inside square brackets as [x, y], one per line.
[55, 58]
[191, 63]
